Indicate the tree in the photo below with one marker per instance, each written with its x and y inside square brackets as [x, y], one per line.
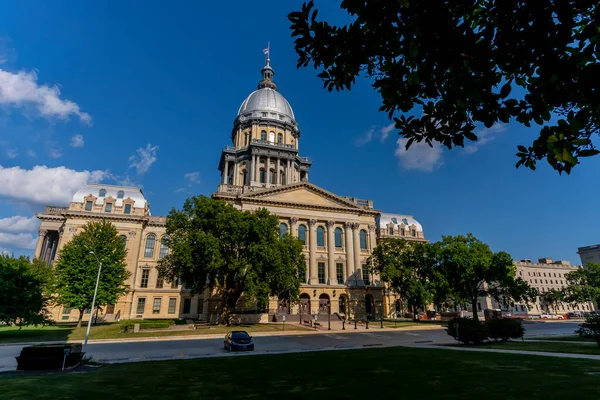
[77, 268]
[583, 285]
[474, 271]
[408, 269]
[23, 300]
[461, 63]
[554, 297]
[233, 253]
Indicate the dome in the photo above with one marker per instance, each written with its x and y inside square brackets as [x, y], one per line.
[267, 100]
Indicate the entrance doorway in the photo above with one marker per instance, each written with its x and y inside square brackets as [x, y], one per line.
[283, 306]
[324, 303]
[304, 307]
[342, 305]
[369, 305]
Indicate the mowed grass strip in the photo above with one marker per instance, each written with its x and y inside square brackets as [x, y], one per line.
[388, 373]
[565, 338]
[53, 333]
[552, 347]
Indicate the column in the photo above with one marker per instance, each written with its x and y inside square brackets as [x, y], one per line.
[313, 276]
[349, 255]
[39, 247]
[268, 170]
[288, 173]
[357, 265]
[226, 171]
[249, 171]
[371, 243]
[235, 180]
[256, 167]
[330, 253]
[277, 171]
[293, 224]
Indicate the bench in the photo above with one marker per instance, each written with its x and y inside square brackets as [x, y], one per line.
[308, 323]
[317, 325]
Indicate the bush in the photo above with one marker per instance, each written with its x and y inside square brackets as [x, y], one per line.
[505, 328]
[146, 324]
[590, 328]
[467, 330]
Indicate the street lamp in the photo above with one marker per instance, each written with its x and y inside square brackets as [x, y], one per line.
[329, 315]
[87, 333]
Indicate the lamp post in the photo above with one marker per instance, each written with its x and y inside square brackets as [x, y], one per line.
[328, 315]
[87, 333]
[381, 310]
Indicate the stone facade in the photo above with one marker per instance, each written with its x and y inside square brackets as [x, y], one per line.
[589, 254]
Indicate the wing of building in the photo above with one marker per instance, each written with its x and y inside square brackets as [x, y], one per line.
[262, 168]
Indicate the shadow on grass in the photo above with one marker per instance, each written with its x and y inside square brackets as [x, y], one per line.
[48, 333]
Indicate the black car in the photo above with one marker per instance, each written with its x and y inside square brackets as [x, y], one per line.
[238, 340]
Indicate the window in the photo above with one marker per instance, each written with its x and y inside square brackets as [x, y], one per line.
[149, 249]
[414, 233]
[141, 305]
[544, 274]
[339, 269]
[127, 209]
[320, 236]
[402, 232]
[282, 230]
[159, 283]
[391, 231]
[66, 311]
[187, 306]
[245, 177]
[145, 276]
[272, 137]
[123, 240]
[555, 274]
[536, 281]
[88, 206]
[263, 135]
[522, 308]
[102, 193]
[272, 176]
[156, 305]
[338, 238]
[322, 272]
[174, 284]
[245, 139]
[282, 177]
[164, 250]
[363, 239]
[521, 273]
[172, 305]
[279, 138]
[108, 207]
[262, 176]
[546, 280]
[529, 274]
[120, 194]
[302, 234]
[365, 274]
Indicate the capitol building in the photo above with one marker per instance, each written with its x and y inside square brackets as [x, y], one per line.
[262, 168]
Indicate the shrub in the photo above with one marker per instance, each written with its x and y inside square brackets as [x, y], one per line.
[466, 330]
[590, 328]
[505, 328]
[146, 324]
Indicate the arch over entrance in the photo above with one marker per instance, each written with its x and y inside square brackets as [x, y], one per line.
[343, 304]
[304, 306]
[324, 303]
[368, 304]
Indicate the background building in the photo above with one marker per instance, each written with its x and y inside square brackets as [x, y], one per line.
[589, 254]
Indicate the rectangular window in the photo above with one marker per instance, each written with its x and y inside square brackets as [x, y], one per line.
[365, 274]
[145, 276]
[391, 231]
[66, 311]
[108, 207]
[141, 305]
[262, 176]
[88, 206]
[414, 233]
[172, 305]
[156, 305]
[159, 283]
[174, 284]
[187, 305]
[402, 232]
[321, 272]
[339, 269]
[127, 209]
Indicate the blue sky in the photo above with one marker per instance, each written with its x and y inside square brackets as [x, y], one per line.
[146, 92]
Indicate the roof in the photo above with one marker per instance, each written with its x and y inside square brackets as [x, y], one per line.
[111, 191]
[397, 219]
[267, 100]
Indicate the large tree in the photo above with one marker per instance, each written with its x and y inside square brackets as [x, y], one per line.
[216, 246]
[77, 268]
[455, 64]
[583, 285]
[554, 297]
[409, 270]
[23, 299]
[474, 271]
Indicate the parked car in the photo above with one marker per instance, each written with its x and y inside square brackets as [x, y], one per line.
[551, 316]
[576, 314]
[238, 340]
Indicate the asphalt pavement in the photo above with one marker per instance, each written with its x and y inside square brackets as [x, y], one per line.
[151, 350]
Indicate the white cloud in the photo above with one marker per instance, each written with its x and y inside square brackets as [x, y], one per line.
[484, 136]
[420, 156]
[364, 139]
[31, 153]
[4, 252]
[12, 153]
[77, 141]
[180, 190]
[21, 90]
[43, 185]
[193, 177]
[3, 60]
[24, 241]
[19, 224]
[385, 131]
[55, 153]
[144, 159]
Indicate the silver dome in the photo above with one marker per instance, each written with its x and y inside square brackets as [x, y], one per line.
[270, 101]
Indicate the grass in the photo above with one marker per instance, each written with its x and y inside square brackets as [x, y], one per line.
[64, 332]
[552, 347]
[565, 338]
[389, 373]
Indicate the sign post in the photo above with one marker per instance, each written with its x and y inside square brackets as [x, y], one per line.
[283, 319]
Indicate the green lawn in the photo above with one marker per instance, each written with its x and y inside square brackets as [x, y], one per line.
[553, 347]
[390, 373]
[112, 331]
[566, 338]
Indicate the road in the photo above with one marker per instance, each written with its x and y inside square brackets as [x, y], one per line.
[149, 350]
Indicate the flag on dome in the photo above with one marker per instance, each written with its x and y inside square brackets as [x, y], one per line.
[266, 51]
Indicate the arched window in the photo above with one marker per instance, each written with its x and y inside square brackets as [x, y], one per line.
[279, 138]
[263, 135]
[245, 177]
[282, 230]
[164, 249]
[262, 176]
[302, 233]
[391, 231]
[402, 232]
[102, 193]
[124, 240]
[338, 238]
[149, 249]
[282, 177]
[120, 194]
[272, 137]
[272, 176]
[363, 239]
[320, 236]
